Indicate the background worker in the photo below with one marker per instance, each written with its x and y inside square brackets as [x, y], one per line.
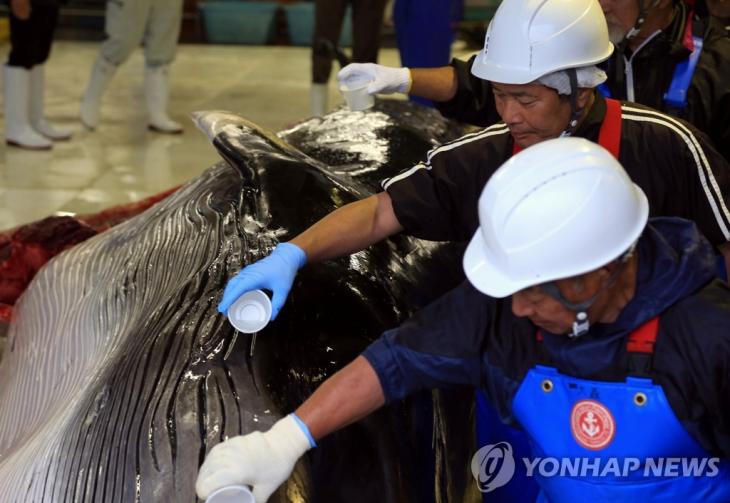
[670, 60]
[652, 66]
[367, 24]
[581, 294]
[129, 23]
[32, 25]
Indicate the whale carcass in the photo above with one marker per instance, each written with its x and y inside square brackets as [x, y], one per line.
[119, 374]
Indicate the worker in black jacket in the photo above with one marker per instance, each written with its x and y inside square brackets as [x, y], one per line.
[32, 25]
[670, 61]
[675, 165]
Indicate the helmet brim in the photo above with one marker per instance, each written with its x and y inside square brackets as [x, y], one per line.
[482, 271]
[486, 69]
[479, 265]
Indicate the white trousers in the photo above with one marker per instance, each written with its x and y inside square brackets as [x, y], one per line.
[153, 23]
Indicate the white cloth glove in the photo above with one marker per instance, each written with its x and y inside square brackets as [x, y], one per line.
[262, 461]
[383, 79]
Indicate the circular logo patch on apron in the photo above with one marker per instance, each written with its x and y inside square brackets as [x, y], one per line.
[592, 425]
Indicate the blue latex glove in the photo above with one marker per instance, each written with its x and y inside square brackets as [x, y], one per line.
[275, 272]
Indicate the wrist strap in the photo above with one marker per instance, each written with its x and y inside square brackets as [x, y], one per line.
[295, 252]
[409, 82]
[305, 430]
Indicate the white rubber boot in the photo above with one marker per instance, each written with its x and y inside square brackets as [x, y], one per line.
[101, 75]
[318, 99]
[39, 123]
[18, 131]
[157, 92]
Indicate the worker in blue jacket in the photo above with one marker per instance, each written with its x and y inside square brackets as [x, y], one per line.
[541, 61]
[602, 333]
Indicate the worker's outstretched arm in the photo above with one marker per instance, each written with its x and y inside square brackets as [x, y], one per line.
[263, 461]
[346, 230]
[435, 84]
[349, 395]
[349, 229]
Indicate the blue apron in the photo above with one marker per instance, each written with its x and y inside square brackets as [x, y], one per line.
[567, 417]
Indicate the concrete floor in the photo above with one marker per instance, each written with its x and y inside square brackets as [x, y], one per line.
[122, 161]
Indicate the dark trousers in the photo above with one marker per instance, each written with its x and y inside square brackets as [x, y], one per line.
[31, 39]
[424, 33]
[367, 22]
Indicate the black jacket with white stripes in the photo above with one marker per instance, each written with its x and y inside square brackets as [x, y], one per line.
[675, 165]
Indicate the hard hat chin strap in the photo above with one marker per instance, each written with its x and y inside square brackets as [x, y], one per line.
[575, 112]
[582, 324]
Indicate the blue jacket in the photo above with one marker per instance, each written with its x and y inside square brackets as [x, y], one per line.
[468, 338]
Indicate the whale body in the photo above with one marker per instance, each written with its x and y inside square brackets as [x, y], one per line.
[119, 374]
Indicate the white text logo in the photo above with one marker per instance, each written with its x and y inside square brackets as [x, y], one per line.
[494, 465]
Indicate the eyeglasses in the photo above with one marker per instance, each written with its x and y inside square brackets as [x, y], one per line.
[535, 294]
[582, 324]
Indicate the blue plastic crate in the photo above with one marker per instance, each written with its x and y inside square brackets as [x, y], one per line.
[236, 22]
[300, 20]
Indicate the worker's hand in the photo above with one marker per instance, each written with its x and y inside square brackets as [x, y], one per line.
[275, 272]
[262, 461]
[20, 9]
[383, 79]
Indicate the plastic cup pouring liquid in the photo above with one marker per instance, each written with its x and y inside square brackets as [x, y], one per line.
[251, 312]
[231, 494]
[355, 91]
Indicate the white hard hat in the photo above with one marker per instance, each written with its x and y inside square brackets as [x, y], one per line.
[527, 39]
[557, 209]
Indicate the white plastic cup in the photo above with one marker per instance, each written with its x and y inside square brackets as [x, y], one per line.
[356, 94]
[251, 312]
[231, 494]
